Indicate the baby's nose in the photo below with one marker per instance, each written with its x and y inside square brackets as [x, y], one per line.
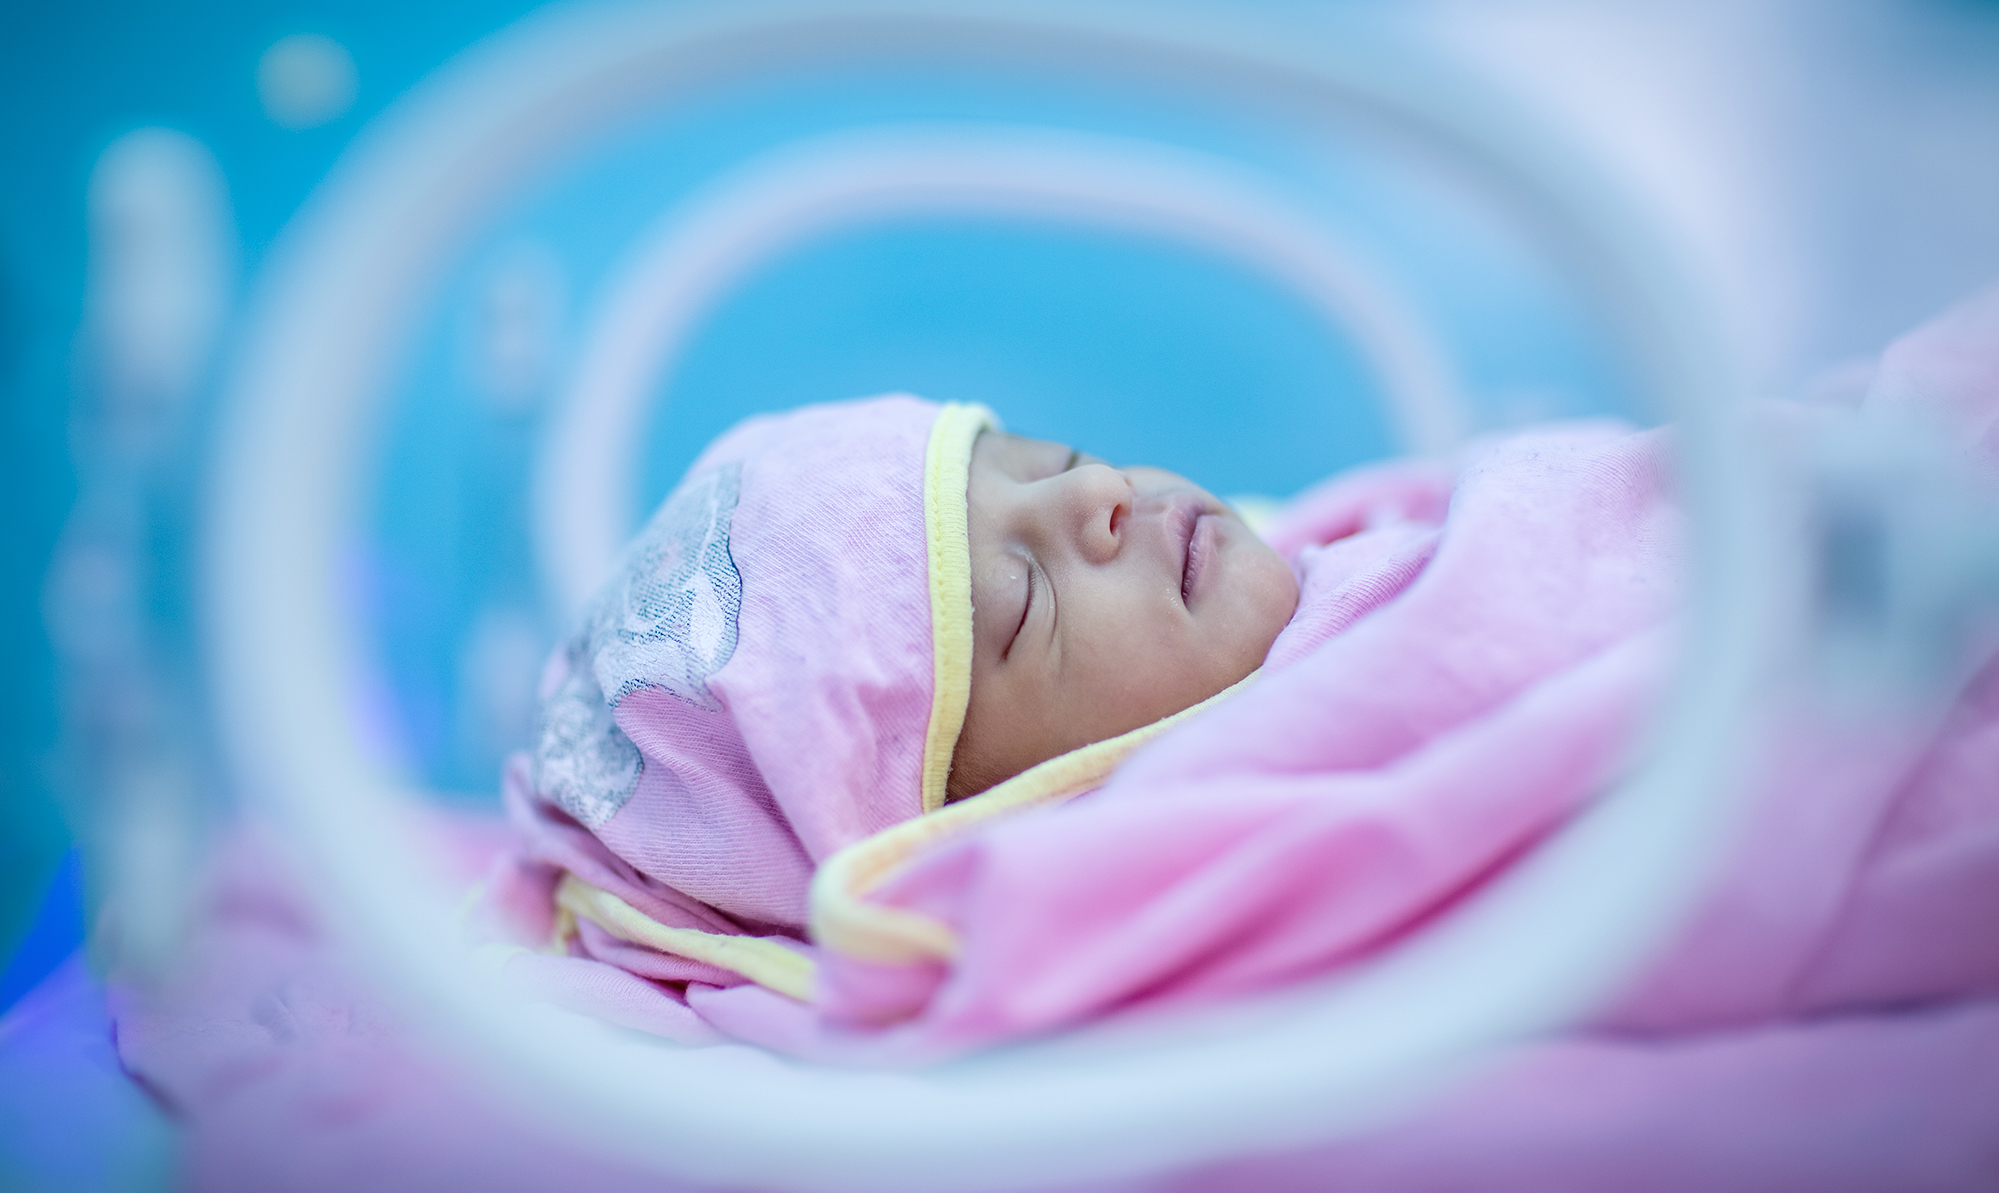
[1097, 501]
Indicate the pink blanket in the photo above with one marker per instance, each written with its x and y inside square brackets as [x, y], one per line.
[1471, 657]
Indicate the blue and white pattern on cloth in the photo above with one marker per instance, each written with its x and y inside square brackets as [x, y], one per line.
[667, 622]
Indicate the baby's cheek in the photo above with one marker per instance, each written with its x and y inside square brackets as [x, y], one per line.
[1273, 595]
[1118, 685]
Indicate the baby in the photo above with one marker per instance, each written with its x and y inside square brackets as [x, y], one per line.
[843, 619]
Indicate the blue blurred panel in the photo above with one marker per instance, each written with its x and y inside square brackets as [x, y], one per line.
[54, 933]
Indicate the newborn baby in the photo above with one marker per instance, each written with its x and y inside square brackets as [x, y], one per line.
[843, 619]
[1103, 599]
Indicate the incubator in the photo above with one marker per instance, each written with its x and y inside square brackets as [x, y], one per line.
[530, 293]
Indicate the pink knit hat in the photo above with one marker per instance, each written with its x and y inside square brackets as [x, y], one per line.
[779, 669]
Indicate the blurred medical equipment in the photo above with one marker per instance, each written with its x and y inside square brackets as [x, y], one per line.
[539, 285]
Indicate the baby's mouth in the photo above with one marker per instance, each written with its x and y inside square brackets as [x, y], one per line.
[1186, 522]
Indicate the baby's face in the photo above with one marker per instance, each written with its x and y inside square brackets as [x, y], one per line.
[1103, 599]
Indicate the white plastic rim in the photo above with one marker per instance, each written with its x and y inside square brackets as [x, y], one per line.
[585, 491]
[1120, 1100]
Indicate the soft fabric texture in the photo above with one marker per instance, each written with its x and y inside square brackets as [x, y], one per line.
[284, 1069]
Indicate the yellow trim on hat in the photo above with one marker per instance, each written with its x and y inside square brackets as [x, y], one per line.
[947, 472]
[843, 919]
[765, 962]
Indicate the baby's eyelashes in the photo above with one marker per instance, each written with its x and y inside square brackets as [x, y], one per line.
[1026, 604]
